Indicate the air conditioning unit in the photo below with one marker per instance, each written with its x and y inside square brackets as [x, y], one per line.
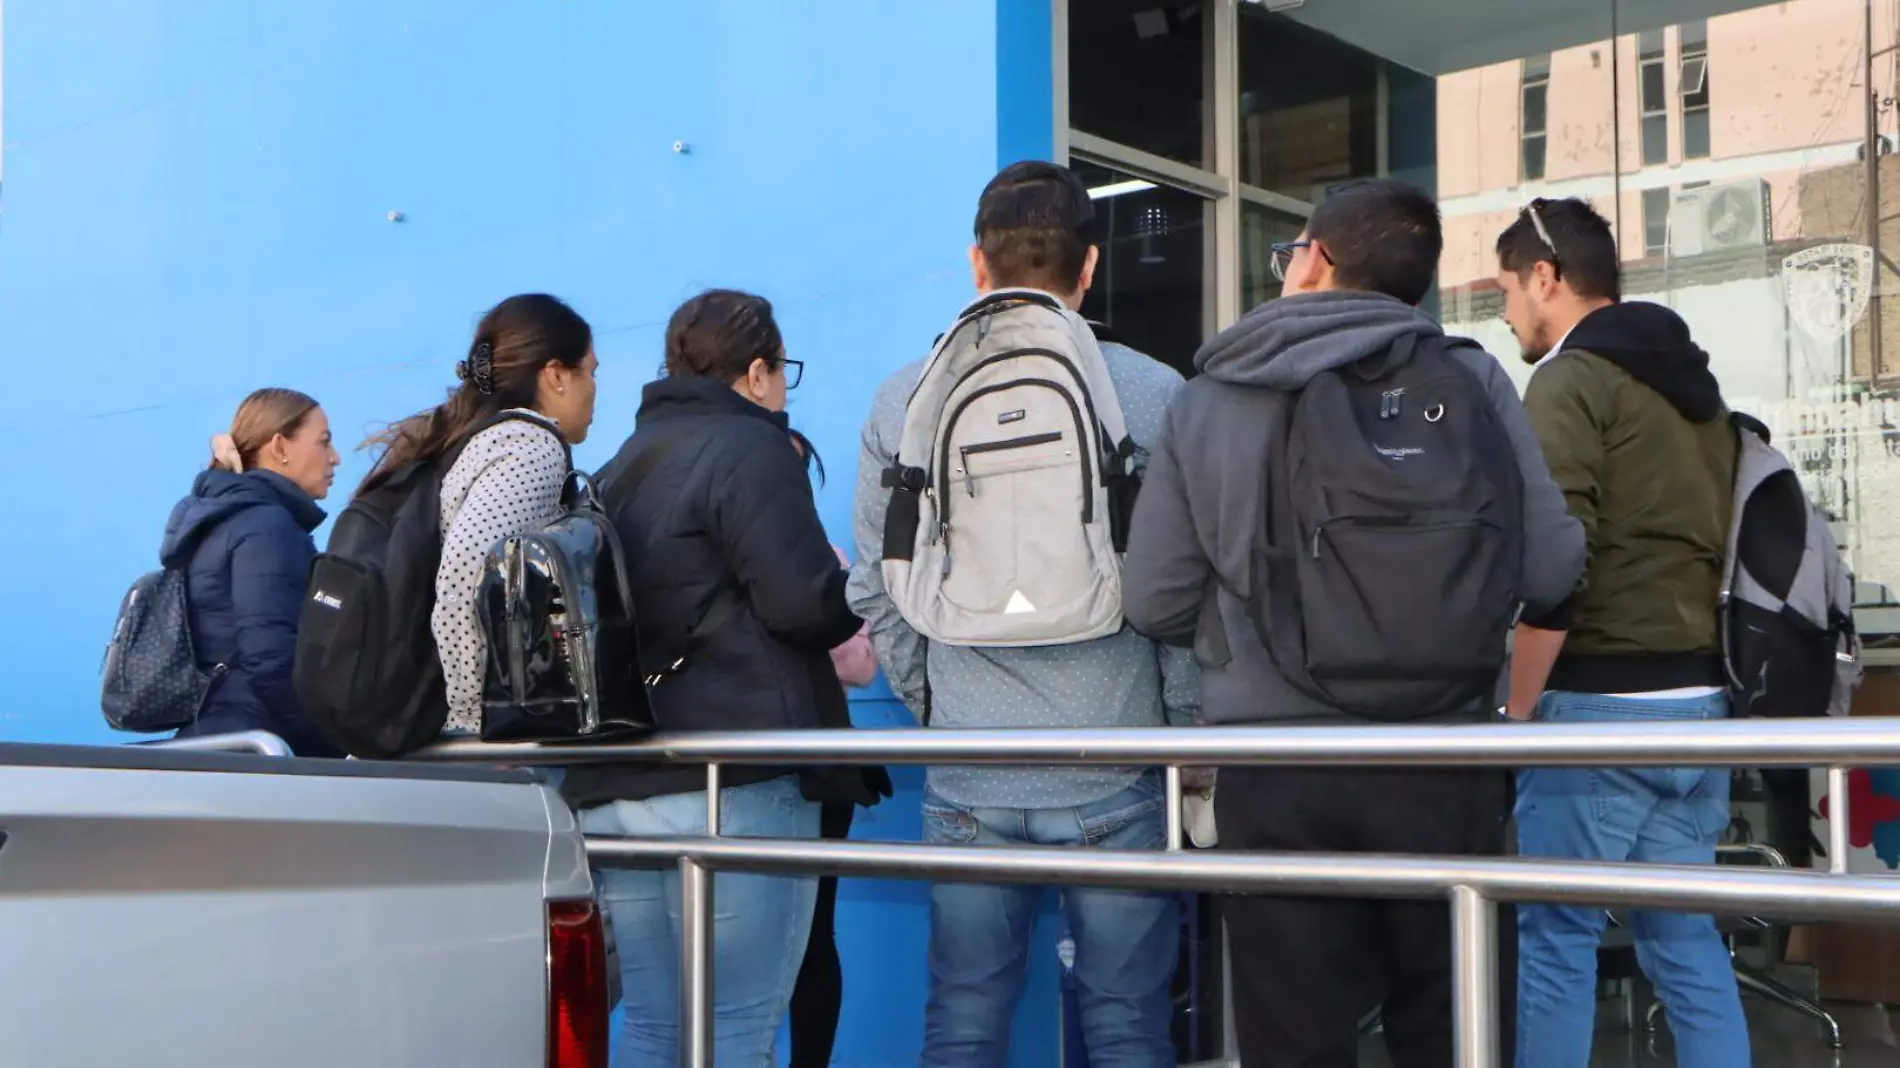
[1717, 218]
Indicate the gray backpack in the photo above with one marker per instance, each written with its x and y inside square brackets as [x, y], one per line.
[1787, 612]
[1013, 483]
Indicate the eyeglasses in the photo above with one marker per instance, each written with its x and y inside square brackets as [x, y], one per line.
[1281, 259]
[1543, 234]
[794, 372]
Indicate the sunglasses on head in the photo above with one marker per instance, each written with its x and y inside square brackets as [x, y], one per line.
[1543, 234]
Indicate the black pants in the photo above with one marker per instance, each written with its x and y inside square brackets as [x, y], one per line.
[1307, 970]
[818, 996]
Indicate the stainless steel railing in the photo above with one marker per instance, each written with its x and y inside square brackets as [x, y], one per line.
[1473, 887]
[262, 743]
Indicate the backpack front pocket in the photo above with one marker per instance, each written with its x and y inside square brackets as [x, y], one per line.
[1397, 600]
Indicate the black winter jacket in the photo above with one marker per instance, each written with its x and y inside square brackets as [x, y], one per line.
[729, 507]
[244, 544]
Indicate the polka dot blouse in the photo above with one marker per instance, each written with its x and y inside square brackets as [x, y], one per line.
[507, 481]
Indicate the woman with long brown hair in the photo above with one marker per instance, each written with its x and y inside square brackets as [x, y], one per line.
[526, 396]
[242, 538]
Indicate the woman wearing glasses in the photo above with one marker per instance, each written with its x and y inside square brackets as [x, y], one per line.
[739, 600]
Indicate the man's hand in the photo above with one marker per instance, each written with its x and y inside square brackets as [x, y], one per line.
[1532, 655]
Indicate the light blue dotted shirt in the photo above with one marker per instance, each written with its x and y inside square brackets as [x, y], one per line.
[1121, 681]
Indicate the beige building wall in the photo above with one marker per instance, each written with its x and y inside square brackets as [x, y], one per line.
[1581, 125]
[1785, 85]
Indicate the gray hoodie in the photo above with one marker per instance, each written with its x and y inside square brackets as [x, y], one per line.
[1186, 574]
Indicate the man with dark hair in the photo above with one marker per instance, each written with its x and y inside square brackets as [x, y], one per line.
[1636, 434]
[1379, 237]
[1213, 555]
[1033, 242]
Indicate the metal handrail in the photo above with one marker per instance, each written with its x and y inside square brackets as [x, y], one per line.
[262, 743]
[1474, 887]
[1721, 743]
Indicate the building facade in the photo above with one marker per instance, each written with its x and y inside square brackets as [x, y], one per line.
[1736, 146]
[204, 198]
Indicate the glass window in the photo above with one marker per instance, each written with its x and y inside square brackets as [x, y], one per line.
[1695, 134]
[1138, 75]
[1536, 116]
[1261, 228]
[1309, 107]
[1653, 96]
[1655, 139]
[1655, 221]
[1773, 262]
[1148, 284]
[1694, 88]
[1655, 102]
[1695, 81]
[1534, 157]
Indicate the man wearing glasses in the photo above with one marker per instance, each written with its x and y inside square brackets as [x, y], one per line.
[1206, 543]
[1633, 426]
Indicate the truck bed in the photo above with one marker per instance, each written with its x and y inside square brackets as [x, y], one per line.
[182, 909]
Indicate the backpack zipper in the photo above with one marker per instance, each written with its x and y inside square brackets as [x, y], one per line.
[1088, 398]
[1029, 441]
[1319, 529]
[950, 425]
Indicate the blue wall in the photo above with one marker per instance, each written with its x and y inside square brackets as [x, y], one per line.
[196, 204]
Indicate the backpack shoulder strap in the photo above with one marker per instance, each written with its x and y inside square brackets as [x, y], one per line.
[455, 450]
[982, 309]
[1746, 423]
[621, 490]
[725, 602]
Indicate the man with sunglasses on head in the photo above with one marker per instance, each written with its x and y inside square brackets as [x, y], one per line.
[1345, 373]
[1636, 433]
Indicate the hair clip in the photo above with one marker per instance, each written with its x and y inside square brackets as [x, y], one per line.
[479, 369]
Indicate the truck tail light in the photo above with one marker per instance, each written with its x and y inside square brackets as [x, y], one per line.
[577, 986]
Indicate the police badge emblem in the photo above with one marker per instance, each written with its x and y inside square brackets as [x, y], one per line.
[1827, 288]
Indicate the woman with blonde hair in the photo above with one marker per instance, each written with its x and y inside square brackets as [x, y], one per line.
[242, 538]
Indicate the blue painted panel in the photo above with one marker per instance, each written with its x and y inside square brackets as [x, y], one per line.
[197, 199]
[1025, 80]
[196, 205]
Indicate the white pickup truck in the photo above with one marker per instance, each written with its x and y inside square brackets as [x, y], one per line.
[186, 909]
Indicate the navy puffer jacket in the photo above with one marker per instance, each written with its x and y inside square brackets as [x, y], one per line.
[244, 543]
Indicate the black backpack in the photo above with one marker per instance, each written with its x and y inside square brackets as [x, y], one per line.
[1388, 578]
[555, 609]
[151, 680]
[367, 672]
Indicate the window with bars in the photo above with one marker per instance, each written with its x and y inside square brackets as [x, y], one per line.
[1655, 99]
[1535, 119]
[1695, 89]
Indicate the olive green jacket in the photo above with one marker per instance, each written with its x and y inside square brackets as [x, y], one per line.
[1652, 488]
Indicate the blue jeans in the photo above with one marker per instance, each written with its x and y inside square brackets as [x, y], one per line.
[1660, 815]
[760, 923]
[1126, 942]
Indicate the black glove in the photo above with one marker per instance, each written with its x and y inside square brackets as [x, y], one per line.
[864, 787]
